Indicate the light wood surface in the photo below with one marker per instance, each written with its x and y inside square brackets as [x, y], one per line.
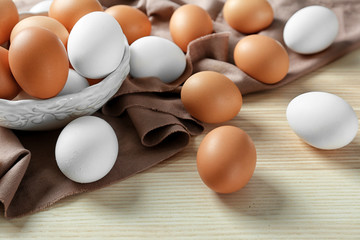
[297, 192]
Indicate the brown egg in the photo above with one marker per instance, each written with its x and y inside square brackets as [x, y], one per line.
[211, 97]
[48, 23]
[9, 16]
[226, 159]
[262, 58]
[68, 12]
[8, 86]
[248, 16]
[188, 23]
[134, 23]
[38, 61]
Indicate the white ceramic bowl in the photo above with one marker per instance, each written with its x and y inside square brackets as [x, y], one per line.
[56, 112]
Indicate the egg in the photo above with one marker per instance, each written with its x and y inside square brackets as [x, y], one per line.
[262, 58]
[226, 159]
[86, 149]
[188, 23]
[311, 30]
[9, 87]
[134, 23]
[9, 17]
[153, 56]
[39, 63]
[68, 12]
[323, 120]
[96, 45]
[248, 16]
[211, 97]
[74, 83]
[41, 7]
[48, 23]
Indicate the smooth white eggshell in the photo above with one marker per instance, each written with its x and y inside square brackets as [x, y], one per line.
[41, 7]
[96, 45]
[86, 149]
[154, 56]
[74, 83]
[311, 30]
[322, 119]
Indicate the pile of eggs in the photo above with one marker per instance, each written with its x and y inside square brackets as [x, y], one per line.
[226, 158]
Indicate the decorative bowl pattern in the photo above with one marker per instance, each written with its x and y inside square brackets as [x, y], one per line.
[56, 112]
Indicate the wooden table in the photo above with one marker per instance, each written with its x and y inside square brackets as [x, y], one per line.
[297, 192]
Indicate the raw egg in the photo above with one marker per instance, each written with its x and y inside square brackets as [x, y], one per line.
[96, 45]
[68, 12]
[48, 23]
[323, 120]
[8, 86]
[262, 58]
[9, 17]
[86, 149]
[188, 23]
[39, 63]
[134, 23]
[248, 16]
[226, 159]
[211, 97]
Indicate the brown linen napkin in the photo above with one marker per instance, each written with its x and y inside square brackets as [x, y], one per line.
[147, 115]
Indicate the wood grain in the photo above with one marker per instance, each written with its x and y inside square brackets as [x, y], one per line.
[297, 191]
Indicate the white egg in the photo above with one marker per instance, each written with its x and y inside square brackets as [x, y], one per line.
[74, 83]
[311, 30]
[41, 7]
[86, 149]
[323, 120]
[96, 45]
[154, 56]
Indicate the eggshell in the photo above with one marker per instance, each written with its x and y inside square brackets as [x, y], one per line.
[96, 45]
[41, 7]
[311, 30]
[9, 87]
[48, 23]
[226, 159]
[39, 63]
[154, 56]
[9, 16]
[323, 120]
[86, 149]
[211, 97]
[74, 83]
[134, 23]
[68, 12]
[248, 16]
[188, 23]
[262, 58]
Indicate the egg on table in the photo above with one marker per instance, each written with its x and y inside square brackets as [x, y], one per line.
[226, 159]
[323, 120]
